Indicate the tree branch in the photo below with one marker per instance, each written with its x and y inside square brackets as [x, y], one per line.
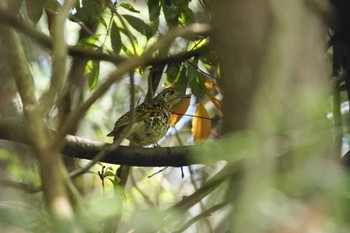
[77, 147]
[20, 185]
[41, 38]
[204, 214]
[59, 56]
[179, 57]
[51, 169]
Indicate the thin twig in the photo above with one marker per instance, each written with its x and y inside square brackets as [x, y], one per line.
[183, 56]
[204, 214]
[203, 117]
[144, 195]
[99, 156]
[206, 221]
[229, 171]
[157, 172]
[29, 188]
[203, 191]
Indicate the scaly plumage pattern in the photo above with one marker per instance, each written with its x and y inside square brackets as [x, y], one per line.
[151, 119]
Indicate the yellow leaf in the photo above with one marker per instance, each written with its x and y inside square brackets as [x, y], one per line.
[211, 85]
[215, 101]
[178, 111]
[201, 124]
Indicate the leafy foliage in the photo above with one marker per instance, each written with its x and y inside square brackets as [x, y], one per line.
[116, 40]
[89, 10]
[113, 30]
[139, 25]
[92, 71]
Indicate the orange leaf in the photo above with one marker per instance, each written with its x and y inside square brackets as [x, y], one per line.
[201, 124]
[178, 111]
[211, 85]
[214, 100]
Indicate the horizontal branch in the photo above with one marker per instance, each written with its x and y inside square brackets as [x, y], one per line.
[180, 56]
[41, 38]
[77, 147]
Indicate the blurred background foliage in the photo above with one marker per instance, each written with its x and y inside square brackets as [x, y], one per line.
[277, 193]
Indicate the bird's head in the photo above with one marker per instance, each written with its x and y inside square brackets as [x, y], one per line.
[170, 97]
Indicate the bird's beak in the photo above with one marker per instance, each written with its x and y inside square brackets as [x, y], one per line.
[186, 96]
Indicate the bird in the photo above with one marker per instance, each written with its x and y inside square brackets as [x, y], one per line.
[151, 119]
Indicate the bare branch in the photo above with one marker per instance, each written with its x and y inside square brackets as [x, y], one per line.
[204, 214]
[178, 57]
[59, 51]
[51, 168]
[20, 185]
[229, 171]
[77, 147]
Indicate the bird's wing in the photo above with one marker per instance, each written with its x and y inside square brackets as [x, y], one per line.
[142, 112]
[140, 115]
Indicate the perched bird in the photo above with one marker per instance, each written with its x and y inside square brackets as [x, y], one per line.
[151, 121]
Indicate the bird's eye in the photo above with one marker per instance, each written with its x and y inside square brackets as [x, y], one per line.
[172, 92]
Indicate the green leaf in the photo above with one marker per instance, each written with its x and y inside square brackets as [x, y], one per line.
[154, 26]
[154, 10]
[127, 51]
[125, 32]
[116, 40]
[114, 182]
[198, 86]
[195, 79]
[139, 25]
[172, 72]
[182, 80]
[171, 12]
[89, 11]
[34, 9]
[102, 21]
[192, 70]
[186, 16]
[89, 41]
[129, 7]
[209, 59]
[108, 173]
[92, 69]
